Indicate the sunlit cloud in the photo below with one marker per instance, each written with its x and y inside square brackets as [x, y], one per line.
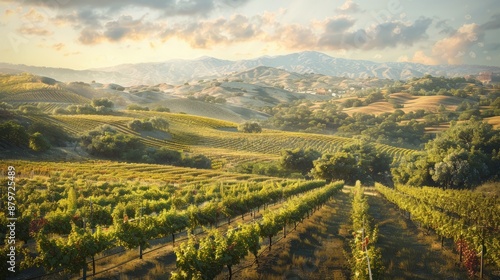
[35, 31]
[348, 7]
[208, 33]
[58, 46]
[452, 49]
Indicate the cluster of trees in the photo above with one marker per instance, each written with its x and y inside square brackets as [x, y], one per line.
[106, 142]
[386, 128]
[462, 157]
[297, 116]
[250, 127]
[135, 107]
[37, 136]
[208, 98]
[100, 106]
[371, 98]
[149, 124]
[293, 163]
[358, 161]
[429, 85]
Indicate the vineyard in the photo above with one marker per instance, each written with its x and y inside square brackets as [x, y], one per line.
[46, 95]
[135, 210]
[469, 219]
[80, 213]
[216, 139]
[102, 216]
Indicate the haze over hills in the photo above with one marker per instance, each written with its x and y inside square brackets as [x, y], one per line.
[179, 71]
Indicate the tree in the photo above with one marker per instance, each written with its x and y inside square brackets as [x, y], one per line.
[460, 169]
[135, 107]
[161, 109]
[464, 156]
[135, 125]
[38, 142]
[196, 161]
[159, 123]
[250, 127]
[337, 166]
[14, 134]
[102, 102]
[54, 134]
[107, 142]
[30, 110]
[413, 170]
[299, 159]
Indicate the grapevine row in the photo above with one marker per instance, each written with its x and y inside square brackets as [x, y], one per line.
[366, 259]
[474, 207]
[206, 258]
[445, 225]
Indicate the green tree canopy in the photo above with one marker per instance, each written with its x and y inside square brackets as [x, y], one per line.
[250, 127]
[463, 156]
[38, 142]
[13, 133]
[299, 159]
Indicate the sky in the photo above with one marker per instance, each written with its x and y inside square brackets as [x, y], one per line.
[87, 34]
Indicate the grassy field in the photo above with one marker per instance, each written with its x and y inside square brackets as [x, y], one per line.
[409, 103]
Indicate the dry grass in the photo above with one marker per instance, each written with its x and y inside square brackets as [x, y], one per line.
[494, 121]
[410, 103]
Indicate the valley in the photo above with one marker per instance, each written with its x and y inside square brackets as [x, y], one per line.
[259, 167]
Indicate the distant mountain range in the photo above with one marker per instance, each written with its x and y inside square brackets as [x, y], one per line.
[179, 71]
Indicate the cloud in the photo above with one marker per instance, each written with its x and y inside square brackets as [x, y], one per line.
[419, 57]
[124, 28]
[444, 27]
[381, 36]
[293, 37]
[348, 7]
[82, 19]
[452, 49]
[338, 24]
[34, 16]
[493, 24]
[89, 36]
[167, 7]
[34, 31]
[336, 33]
[205, 34]
[58, 46]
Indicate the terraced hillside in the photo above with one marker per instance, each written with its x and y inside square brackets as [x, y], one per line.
[217, 139]
[29, 89]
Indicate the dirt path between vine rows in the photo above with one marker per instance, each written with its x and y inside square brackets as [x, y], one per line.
[407, 252]
[315, 250]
